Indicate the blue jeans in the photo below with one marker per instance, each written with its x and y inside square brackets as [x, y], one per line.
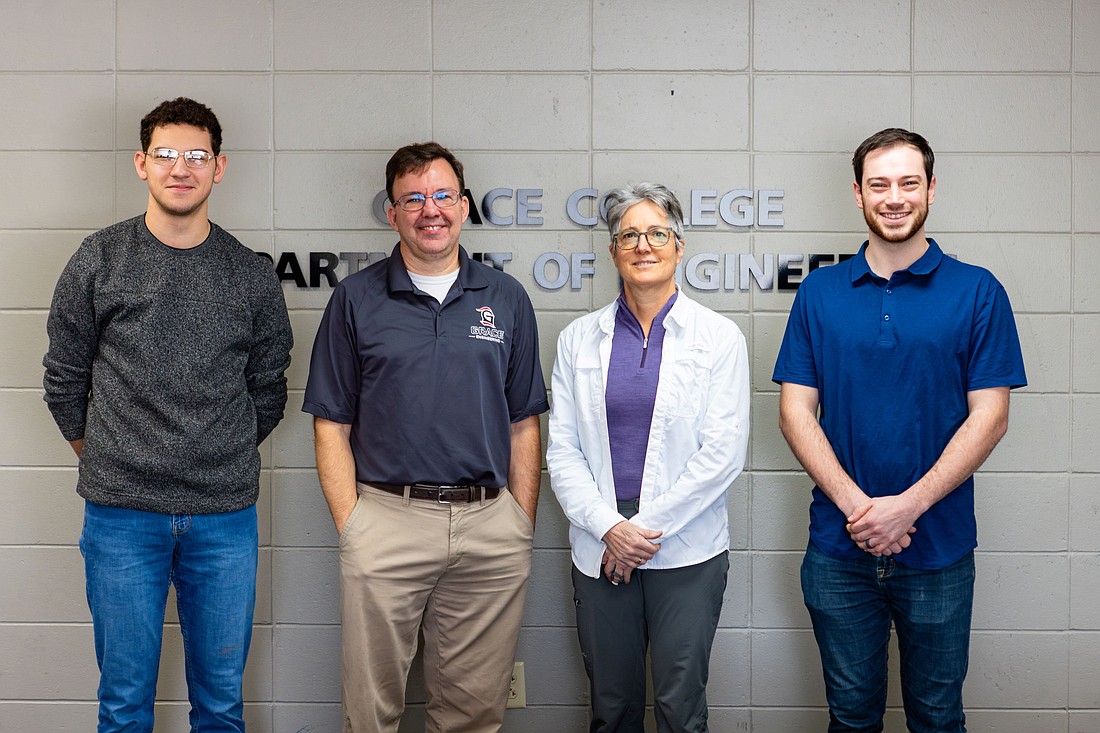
[130, 557]
[851, 604]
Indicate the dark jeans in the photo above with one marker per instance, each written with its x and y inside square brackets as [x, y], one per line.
[851, 604]
[675, 613]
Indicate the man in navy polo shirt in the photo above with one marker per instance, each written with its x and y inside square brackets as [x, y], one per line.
[425, 387]
[910, 356]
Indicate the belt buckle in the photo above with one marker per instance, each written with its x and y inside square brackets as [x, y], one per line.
[451, 490]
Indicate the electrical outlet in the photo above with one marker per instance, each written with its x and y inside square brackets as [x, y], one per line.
[517, 689]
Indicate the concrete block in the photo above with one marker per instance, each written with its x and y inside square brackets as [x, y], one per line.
[33, 262]
[1016, 591]
[1084, 601]
[1086, 432]
[780, 511]
[234, 37]
[1086, 189]
[767, 337]
[330, 191]
[57, 111]
[21, 361]
[1086, 55]
[242, 102]
[38, 442]
[739, 514]
[53, 715]
[786, 669]
[838, 36]
[703, 37]
[40, 676]
[1034, 269]
[557, 174]
[356, 36]
[1021, 114]
[803, 113]
[785, 720]
[1038, 436]
[495, 35]
[810, 205]
[306, 664]
[796, 248]
[681, 172]
[1045, 341]
[1086, 100]
[736, 601]
[300, 243]
[1015, 721]
[361, 111]
[69, 190]
[292, 440]
[729, 669]
[76, 37]
[1084, 722]
[1084, 512]
[1086, 353]
[299, 514]
[550, 590]
[777, 591]
[1086, 262]
[1041, 208]
[552, 528]
[655, 111]
[304, 324]
[1013, 36]
[769, 449]
[529, 111]
[553, 666]
[1084, 660]
[1022, 512]
[1025, 670]
[526, 247]
[705, 273]
[45, 584]
[41, 506]
[305, 586]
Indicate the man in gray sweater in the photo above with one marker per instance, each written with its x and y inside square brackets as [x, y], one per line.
[168, 344]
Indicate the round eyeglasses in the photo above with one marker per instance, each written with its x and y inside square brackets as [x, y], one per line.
[191, 158]
[655, 236]
[444, 199]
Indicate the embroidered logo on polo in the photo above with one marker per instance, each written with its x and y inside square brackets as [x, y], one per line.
[487, 330]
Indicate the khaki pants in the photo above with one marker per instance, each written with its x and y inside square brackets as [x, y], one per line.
[461, 570]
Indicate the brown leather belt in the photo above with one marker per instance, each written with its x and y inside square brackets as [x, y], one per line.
[440, 493]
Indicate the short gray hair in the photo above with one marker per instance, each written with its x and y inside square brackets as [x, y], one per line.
[619, 200]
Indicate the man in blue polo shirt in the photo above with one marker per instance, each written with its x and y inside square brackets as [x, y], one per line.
[425, 387]
[910, 356]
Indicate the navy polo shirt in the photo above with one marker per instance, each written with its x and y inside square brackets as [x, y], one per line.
[892, 362]
[430, 389]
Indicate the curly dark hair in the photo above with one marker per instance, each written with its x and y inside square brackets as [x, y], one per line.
[182, 111]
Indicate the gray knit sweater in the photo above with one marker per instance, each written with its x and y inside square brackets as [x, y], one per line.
[169, 363]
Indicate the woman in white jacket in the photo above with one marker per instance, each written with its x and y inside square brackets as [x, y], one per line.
[648, 429]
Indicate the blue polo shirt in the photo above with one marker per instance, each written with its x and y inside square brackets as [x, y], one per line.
[892, 361]
[430, 389]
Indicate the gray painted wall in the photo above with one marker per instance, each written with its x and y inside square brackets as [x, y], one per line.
[315, 96]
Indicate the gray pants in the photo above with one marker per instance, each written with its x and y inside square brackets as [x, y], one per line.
[673, 612]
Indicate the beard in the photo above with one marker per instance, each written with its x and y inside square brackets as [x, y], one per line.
[896, 235]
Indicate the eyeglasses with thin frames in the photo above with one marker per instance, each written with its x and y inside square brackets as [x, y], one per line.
[656, 237]
[444, 198]
[191, 158]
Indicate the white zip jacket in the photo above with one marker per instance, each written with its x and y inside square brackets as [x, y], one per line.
[697, 440]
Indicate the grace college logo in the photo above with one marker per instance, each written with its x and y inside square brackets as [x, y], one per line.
[487, 329]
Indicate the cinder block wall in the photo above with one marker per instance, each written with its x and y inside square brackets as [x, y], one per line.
[561, 96]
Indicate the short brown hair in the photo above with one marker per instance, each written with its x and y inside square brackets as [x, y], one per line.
[417, 157]
[888, 138]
